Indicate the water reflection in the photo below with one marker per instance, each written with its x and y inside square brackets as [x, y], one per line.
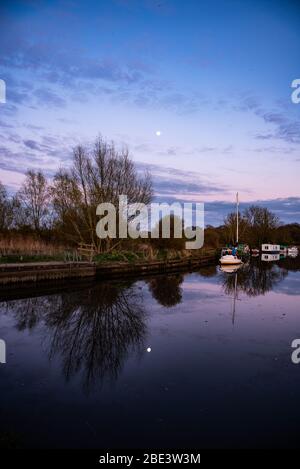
[166, 289]
[270, 257]
[254, 279]
[290, 263]
[208, 271]
[95, 332]
[92, 330]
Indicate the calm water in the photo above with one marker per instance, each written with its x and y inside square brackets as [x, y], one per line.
[219, 373]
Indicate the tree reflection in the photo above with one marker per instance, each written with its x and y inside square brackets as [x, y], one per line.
[166, 289]
[29, 312]
[93, 330]
[290, 263]
[254, 279]
[208, 271]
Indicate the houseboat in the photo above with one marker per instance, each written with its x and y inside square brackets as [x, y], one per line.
[270, 248]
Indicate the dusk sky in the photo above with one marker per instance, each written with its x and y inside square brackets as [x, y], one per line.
[199, 91]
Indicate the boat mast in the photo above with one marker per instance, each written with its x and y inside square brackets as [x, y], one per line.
[237, 218]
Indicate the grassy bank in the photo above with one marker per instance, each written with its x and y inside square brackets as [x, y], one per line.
[25, 249]
[57, 271]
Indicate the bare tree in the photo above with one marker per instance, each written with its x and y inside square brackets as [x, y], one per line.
[261, 225]
[67, 204]
[5, 209]
[257, 225]
[230, 227]
[98, 175]
[34, 198]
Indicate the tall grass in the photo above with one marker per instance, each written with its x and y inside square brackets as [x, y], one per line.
[28, 245]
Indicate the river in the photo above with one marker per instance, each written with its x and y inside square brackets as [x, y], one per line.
[196, 360]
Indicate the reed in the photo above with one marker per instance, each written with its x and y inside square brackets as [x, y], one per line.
[28, 245]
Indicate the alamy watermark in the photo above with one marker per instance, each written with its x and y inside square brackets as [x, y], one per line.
[295, 96]
[138, 220]
[2, 351]
[296, 353]
[2, 91]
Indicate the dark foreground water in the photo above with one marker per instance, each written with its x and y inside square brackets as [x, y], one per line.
[80, 372]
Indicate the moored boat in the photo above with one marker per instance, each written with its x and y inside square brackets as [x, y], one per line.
[270, 248]
[229, 259]
[229, 256]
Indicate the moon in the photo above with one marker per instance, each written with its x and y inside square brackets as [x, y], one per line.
[158, 133]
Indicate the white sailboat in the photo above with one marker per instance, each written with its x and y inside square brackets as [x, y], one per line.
[231, 259]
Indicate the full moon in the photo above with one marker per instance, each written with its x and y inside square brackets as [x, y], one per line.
[149, 349]
[158, 133]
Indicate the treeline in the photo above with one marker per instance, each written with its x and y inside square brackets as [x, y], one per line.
[65, 210]
[257, 225]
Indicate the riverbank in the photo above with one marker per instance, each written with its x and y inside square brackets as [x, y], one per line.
[15, 273]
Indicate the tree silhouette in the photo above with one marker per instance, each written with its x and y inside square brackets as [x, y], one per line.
[93, 329]
[166, 290]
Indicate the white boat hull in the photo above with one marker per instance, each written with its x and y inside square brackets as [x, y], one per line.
[230, 260]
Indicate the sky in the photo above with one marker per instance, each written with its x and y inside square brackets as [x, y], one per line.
[199, 92]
